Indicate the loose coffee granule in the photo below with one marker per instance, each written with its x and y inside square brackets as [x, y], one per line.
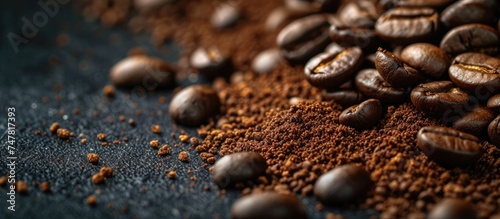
[98, 178]
[154, 143]
[45, 187]
[63, 133]
[183, 156]
[93, 158]
[156, 129]
[106, 171]
[164, 150]
[131, 122]
[108, 91]
[54, 127]
[3, 180]
[184, 138]
[91, 200]
[84, 141]
[22, 187]
[37, 132]
[172, 174]
[101, 137]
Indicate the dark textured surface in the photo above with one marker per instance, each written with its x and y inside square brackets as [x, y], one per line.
[140, 184]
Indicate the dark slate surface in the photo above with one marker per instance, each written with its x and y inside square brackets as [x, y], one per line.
[142, 187]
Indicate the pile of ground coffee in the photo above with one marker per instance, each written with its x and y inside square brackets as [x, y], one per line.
[280, 115]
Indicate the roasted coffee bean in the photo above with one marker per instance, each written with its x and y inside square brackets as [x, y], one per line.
[266, 60]
[360, 14]
[225, 15]
[193, 105]
[449, 147]
[342, 185]
[362, 116]
[268, 205]
[453, 209]
[149, 72]
[407, 25]
[210, 61]
[353, 36]
[394, 71]
[304, 38]
[440, 99]
[476, 72]
[372, 85]
[467, 12]
[427, 59]
[345, 98]
[238, 167]
[471, 38]
[475, 122]
[494, 103]
[330, 70]
[419, 3]
[311, 6]
[494, 131]
[280, 17]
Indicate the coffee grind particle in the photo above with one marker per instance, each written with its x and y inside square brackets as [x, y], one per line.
[84, 141]
[91, 200]
[45, 187]
[63, 133]
[154, 143]
[106, 171]
[108, 91]
[22, 187]
[54, 127]
[164, 150]
[93, 158]
[3, 180]
[98, 178]
[183, 156]
[156, 129]
[172, 174]
[101, 137]
[184, 138]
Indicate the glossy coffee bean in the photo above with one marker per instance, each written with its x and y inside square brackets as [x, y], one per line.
[193, 105]
[494, 131]
[148, 72]
[471, 38]
[345, 98]
[266, 60]
[372, 85]
[210, 61]
[467, 12]
[394, 71]
[354, 36]
[453, 209]
[494, 103]
[449, 147]
[427, 59]
[363, 116]
[268, 205]
[476, 72]
[304, 38]
[407, 25]
[359, 14]
[475, 122]
[342, 185]
[330, 70]
[238, 167]
[440, 98]
[225, 15]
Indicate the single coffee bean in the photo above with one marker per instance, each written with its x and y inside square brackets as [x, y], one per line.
[304, 38]
[494, 131]
[440, 99]
[152, 73]
[193, 105]
[359, 14]
[394, 71]
[210, 61]
[225, 15]
[407, 25]
[363, 116]
[476, 72]
[238, 167]
[427, 59]
[471, 38]
[266, 60]
[330, 70]
[475, 122]
[345, 98]
[449, 147]
[279, 17]
[467, 12]
[453, 209]
[342, 185]
[268, 205]
[494, 103]
[354, 36]
[372, 85]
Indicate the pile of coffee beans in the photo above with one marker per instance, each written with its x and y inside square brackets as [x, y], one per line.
[394, 103]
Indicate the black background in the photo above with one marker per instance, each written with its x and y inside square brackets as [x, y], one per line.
[142, 187]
